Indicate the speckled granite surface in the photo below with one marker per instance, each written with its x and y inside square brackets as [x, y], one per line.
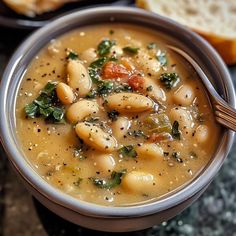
[214, 214]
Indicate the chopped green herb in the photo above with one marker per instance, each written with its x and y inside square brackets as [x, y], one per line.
[137, 133]
[31, 110]
[95, 69]
[162, 59]
[92, 119]
[175, 130]
[78, 153]
[104, 87]
[176, 156]
[104, 47]
[149, 88]
[72, 55]
[46, 105]
[131, 50]
[169, 80]
[113, 115]
[151, 46]
[91, 94]
[128, 151]
[114, 180]
[192, 155]
[78, 182]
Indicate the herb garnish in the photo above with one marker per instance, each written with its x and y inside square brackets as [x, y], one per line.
[175, 130]
[104, 87]
[131, 50]
[113, 115]
[114, 180]
[162, 59]
[104, 47]
[169, 80]
[137, 133]
[151, 46]
[91, 94]
[95, 69]
[127, 151]
[46, 105]
[72, 55]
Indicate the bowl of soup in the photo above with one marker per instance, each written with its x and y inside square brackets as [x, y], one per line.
[105, 125]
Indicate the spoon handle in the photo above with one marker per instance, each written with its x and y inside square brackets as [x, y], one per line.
[226, 116]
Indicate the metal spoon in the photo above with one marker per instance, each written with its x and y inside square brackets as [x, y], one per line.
[225, 114]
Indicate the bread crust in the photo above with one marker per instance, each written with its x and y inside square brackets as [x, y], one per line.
[226, 47]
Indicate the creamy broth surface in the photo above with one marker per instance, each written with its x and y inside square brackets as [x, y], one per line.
[137, 124]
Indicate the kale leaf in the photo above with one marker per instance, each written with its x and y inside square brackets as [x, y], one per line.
[114, 180]
[104, 47]
[46, 105]
[128, 151]
[169, 80]
[175, 130]
[131, 50]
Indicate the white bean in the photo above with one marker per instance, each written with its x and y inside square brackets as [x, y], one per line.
[95, 137]
[104, 162]
[79, 110]
[120, 127]
[149, 150]
[129, 102]
[65, 93]
[184, 96]
[117, 50]
[137, 181]
[182, 116]
[155, 91]
[148, 62]
[202, 134]
[89, 55]
[78, 77]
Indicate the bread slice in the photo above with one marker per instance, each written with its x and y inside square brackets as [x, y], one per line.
[32, 8]
[215, 20]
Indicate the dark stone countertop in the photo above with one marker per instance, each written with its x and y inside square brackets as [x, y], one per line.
[213, 214]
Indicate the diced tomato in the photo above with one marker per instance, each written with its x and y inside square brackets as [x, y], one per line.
[112, 70]
[136, 82]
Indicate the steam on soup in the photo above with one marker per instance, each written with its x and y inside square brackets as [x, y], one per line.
[109, 115]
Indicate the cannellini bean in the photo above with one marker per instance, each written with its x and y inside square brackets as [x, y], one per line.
[155, 92]
[65, 93]
[117, 50]
[79, 110]
[149, 150]
[95, 137]
[137, 181]
[104, 162]
[148, 63]
[89, 55]
[129, 102]
[120, 127]
[78, 77]
[184, 95]
[201, 134]
[182, 116]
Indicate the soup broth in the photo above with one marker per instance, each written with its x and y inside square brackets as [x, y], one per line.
[109, 115]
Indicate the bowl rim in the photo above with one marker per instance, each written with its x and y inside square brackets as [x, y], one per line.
[86, 208]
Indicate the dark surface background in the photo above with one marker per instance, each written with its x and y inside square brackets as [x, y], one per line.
[213, 214]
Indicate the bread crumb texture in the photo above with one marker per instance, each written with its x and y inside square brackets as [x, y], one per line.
[214, 20]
